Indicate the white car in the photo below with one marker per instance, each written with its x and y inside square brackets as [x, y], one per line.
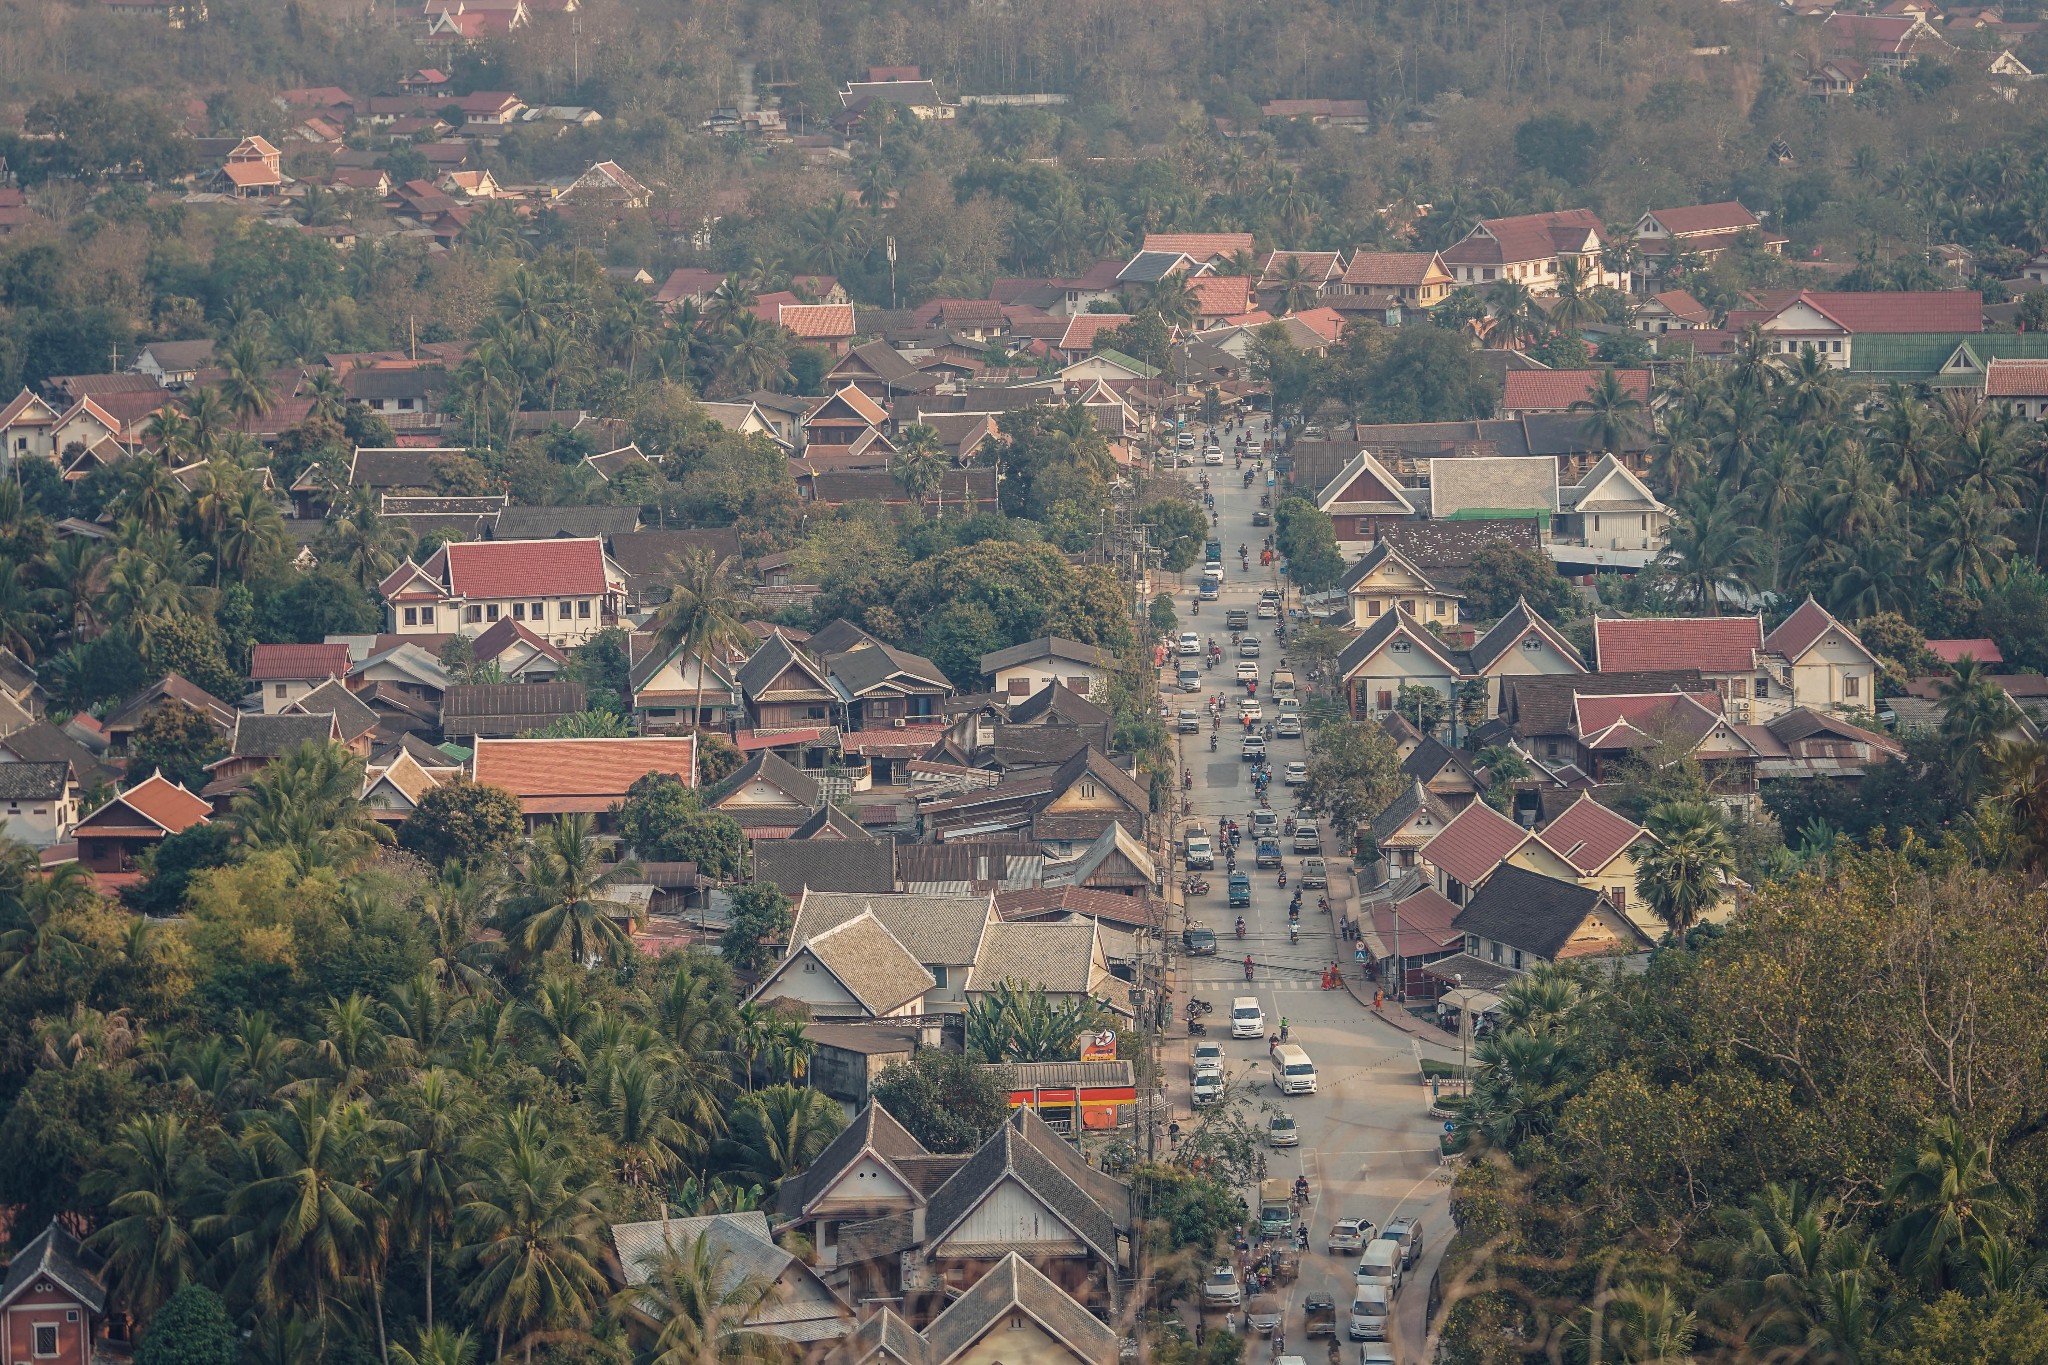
[1222, 1287]
[1247, 672]
[1248, 648]
[1207, 1087]
[1348, 1236]
[1212, 456]
[1295, 774]
[1190, 643]
[1285, 727]
[1281, 1132]
[1269, 611]
[1254, 448]
[1249, 708]
[1209, 1057]
[1247, 1020]
[1186, 440]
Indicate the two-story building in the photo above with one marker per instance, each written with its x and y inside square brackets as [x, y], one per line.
[1529, 249]
[1024, 671]
[785, 689]
[1392, 653]
[1521, 918]
[38, 802]
[564, 590]
[284, 673]
[1362, 500]
[1385, 580]
[1831, 323]
[1419, 279]
[113, 838]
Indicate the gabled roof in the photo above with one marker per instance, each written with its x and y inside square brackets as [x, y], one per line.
[175, 688]
[1535, 913]
[1083, 328]
[1393, 269]
[943, 930]
[561, 776]
[862, 670]
[1430, 756]
[1682, 306]
[874, 1131]
[1693, 219]
[1609, 486]
[1529, 237]
[1014, 1286]
[1363, 487]
[778, 773]
[1632, 721]
[268, 663]
[1026, 1150]
[829, 824]
[1805, 627]
[522, 568]
[1718, 645]
[1474, 843]
[158, 801]
[1047, 647]
[817, 320]
[1383, 631]
[1506, 632]
[1379, 556]
[53, 1255]
[497, 639]
[259, 736]
[1539, 705]
[774, 658]
[33, 781]
[1470, 486]
[864, 957]
[352, 718]
[1057, 701]
[1201, 246]
[1114, 841]
[1927, 310]
[1588, 835]
[503, 709]
[862, 865]
[1405, 807]
[1057, 958]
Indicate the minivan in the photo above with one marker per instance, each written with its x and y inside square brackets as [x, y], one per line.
[1369, 1311]
[1247, 1020]
[1381, 1263]
[1293, 1072]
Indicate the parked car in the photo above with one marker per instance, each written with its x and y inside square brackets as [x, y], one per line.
[1207, 1054]
[1190, 721]
[1222, 1288]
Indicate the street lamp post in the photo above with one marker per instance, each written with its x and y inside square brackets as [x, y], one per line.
[1464, 1033]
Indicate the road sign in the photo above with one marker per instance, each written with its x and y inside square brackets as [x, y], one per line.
[1361, 952]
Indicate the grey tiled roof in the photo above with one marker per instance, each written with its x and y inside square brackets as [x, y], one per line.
[866, 958]
[547, 523]
[1510, 628]
[1416, 798]
[873, 1129]
[33, 781]
[944, 931]
[269, 736]
[1014, 1285]
[1528, 910]
[333, 698]
[1049, 1178]
[852, 865]
[871, 665]
[1055, 956]
[54, 1254]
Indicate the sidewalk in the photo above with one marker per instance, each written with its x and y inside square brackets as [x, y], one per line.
[1343, 894]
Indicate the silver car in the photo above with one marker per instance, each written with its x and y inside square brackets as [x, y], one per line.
[1222, 1287]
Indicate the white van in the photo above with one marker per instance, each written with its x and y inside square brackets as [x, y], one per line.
[1381, 1265]
[1368, 1311]
[1293, 1072]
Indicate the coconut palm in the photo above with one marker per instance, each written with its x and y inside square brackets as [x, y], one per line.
[1575, 305]
[329, 394]
[632, 1098]
[75, 570]
[1707, 549]
[210, 415]
[1172, 301]
[1613, 414]
[692, 1014]
[1298, 286]
[1681, 875]
[246, 388]
[702, 614]
[423, 1136]
[304, 804]
[782, 1128]
[560, 896]
[1975, 715]
[1948, 1199]
[150, 1177]
[37, 925]
[251, 532]
[756, 354]
[441, 1345]
[697, 1303]
[1515, 316]
[835, 230]
[919, 462]
[1967, 545]
[363, 544]
[532, 1233]
[22, 618]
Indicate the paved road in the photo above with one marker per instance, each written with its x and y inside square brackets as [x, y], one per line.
[1368, 1145]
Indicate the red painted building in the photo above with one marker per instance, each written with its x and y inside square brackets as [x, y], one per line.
[51, 1304]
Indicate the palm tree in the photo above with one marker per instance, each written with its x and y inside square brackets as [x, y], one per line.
[305, 804]
[1812, 386]
[1680, 876]
[1708, 549]
[76, 570]
[920, 462]
[251, 532]
[559, 895]
[697, 1301]
[304, 1217]
[208, 412]
[1648, 1326]
[784, 1127]
[1612, 413]
[438, 1346]
[632, 1097]
[1515, 316]
[246, 388]
[1575, 305]
[37, 927]
[834, 229]
[531, 1231]
[1298, 287]
[329, 394]
[702, 614]
[22, 618]
[693, 1014]
[1969, 548]
[1975, 714]
[756, 354]
[1172, 301]
[424, 1137]
[150, 1177]
[367, 546]
[1948, 1197]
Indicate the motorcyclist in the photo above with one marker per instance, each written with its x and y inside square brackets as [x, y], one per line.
[1240, 926]
[1212, 741]
[1247, 966]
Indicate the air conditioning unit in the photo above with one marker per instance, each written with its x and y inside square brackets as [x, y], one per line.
[898, 722]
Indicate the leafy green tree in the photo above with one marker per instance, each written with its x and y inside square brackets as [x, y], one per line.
[467, 822]
[780, 1130]
[665, 821]
[1179, 529]
[759, 917]
[192, 1328]
[1307, 537]
[313, 606]
[1164, 619]
[1430, 374]
[1560, 146]
[1504, 573]
[174, 862]
[1354, 771]
[152, 1177]
[177, 741]
[1422, 706]
[948, 1101]
[191, 646]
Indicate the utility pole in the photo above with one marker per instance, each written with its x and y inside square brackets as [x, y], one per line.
[889, 250]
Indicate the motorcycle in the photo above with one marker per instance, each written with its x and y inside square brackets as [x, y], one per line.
[1197, 1005]
[1283, 879]
[1240, 926]
[1196, 1028]
[1248, 969]
[1293, 931]
[1195, 886]
[1212, 741]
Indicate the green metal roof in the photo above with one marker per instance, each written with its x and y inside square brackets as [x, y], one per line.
[1921, 356]
[1129, 362]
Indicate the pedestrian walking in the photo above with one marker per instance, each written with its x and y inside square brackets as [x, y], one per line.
[1230, 1321]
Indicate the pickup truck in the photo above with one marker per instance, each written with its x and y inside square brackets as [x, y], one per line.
[1237, 618]
[1314, 874]
[1322, 1315]
[1269, 853]
[1201, 857]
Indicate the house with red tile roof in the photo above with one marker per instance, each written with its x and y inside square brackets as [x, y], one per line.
[1470, 849]
[1529, 249]
[1889, 41]
[1597, 848]
[1082, 330]
[112, 839]
[822, 324]
[284, 673]
[1725, 649]
[555, 777]
[1527, 391]
[1612, 729]
[565, 590]
[1674, 310]
[1218, 298]
[2019, 386]
[688, 283]
[1701, 230]
[1952, 652]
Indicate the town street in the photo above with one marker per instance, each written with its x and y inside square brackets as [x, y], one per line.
[1368, 1145]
